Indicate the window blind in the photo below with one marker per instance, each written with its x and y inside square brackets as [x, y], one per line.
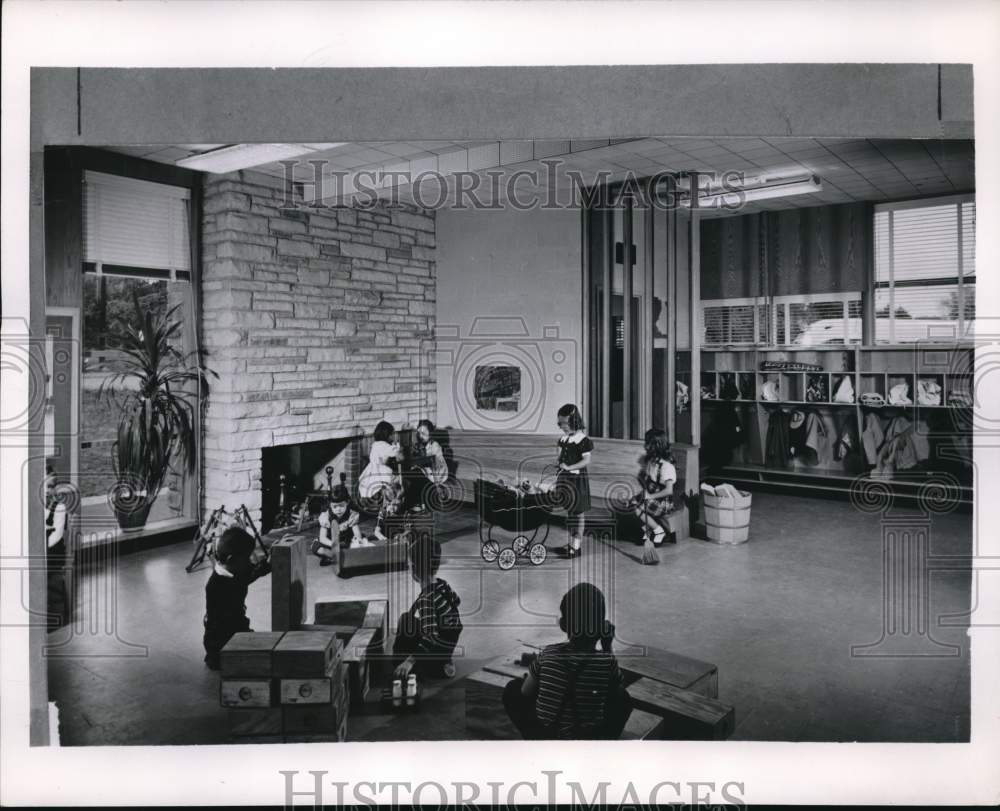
[806, 320]
[925, 269]
[135, 224]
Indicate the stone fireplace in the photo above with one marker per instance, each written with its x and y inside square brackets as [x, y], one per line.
[315, 320]
[303, 466]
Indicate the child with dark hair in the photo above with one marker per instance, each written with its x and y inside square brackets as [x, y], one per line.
[657, 478]
[338, 526]
[427, 468]
[427, 634]
[573, 482]
[380, 481]
[572, 691]
[226, 591]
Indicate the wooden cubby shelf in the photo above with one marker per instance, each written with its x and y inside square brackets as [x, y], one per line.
[937, 378]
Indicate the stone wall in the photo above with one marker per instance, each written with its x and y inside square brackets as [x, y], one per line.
[319, 323]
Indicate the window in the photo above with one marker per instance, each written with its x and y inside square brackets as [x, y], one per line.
[132, 226]
[812, 320]
[137, 248]
[925, 269]
[732, 321]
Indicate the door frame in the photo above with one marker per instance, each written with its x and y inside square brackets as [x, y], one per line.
[75, 395]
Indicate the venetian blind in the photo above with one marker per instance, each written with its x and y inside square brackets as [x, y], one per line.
[924, 270]
[131, 223]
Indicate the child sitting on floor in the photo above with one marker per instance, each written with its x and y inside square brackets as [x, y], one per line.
[338, 524]
[428, 633]
[573, 691]
[226, 591]
[379, 483]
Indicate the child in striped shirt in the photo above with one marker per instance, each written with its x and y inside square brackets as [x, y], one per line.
[572, 690]
[427, 634]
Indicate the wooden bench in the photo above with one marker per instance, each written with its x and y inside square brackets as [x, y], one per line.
[514, 457]
[687, 716]
[681, 672]
[674, 698]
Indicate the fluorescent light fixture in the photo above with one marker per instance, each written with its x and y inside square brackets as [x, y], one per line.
[243, 156]
[764, 190]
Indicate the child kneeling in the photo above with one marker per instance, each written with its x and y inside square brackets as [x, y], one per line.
[226, 591]
[338, 524]
[573, 691]
[427, 634]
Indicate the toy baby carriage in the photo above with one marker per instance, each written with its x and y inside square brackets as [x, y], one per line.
[513, 509]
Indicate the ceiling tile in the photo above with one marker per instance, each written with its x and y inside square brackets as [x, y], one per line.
[423, 165]
[516, 152]
[457, 161]
[485, 156]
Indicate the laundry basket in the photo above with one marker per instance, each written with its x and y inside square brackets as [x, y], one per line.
[727, 520]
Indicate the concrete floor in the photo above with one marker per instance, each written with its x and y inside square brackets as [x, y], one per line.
[778, 615]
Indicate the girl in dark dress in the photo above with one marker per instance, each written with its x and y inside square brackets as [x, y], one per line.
[573, 483]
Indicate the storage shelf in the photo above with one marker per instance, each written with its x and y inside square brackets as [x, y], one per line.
[870, 369]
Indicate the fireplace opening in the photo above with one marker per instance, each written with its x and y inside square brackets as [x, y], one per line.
[303, 466]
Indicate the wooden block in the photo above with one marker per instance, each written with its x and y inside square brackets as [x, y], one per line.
[305, 654]
[248, 654]
[355, 614]
[688, 716]
[248, 722]
[307, 691]
[356, 656]
[377, 617]
[342, 632]
[340, 613]
[309, 719]
[344, 691]
[360, 645]
[247, 693]
[642, 726]
[679, 671]
[367, 559]
[288, 582]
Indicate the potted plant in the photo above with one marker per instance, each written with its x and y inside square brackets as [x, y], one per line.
[157, 420]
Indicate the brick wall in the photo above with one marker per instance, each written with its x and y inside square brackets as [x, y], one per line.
[315, 320]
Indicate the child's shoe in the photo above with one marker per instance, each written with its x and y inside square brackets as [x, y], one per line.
[658, 536]
[378, 535]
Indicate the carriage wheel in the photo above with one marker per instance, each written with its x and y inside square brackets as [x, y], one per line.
[489, 551]
[520, 545]
[537, 554]
[507, 559]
